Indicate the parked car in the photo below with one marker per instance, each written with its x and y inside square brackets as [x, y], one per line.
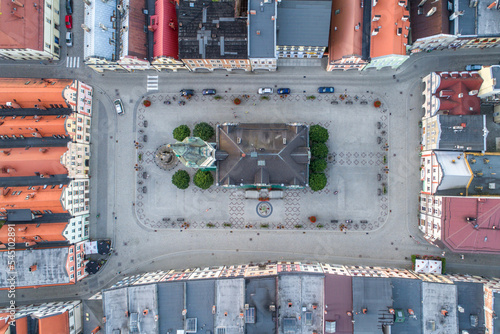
[69, 38]
[187, 92]
[326, 90]
[69, 6]
[265, 90]
[209, 92]
[283, 91]
[119, 107]
[473, 67]
[68, 19]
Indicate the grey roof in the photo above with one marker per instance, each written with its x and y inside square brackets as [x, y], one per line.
[488, 165]
[472, 137]
[35, 142]
[295, 293]
[262, 29]
[269, 154]
[230, 297]
[488, 23]
[303, 22]
[437, 297]
[99, 45]
[261, 293]
[19, 215]
[19, 181]
[51, 267]
[115, 307]
[139, 301]
[374, 294]
[200, 297]
[465, 24]
[471, 299]
[221, 36]
[170, 306]
[407, 294]
[496, 309]
[495, 73]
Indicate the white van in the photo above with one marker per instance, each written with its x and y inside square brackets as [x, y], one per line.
[119, 107]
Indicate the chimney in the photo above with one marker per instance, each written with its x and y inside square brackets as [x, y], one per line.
[402, 3]
[376, 18]
[103, 27]
[84, 27]
[375, 32]
[33, 268]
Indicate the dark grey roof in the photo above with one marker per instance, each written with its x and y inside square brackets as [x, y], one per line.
[34, 142]
[303, 22]
[200, 301]
[471, 299]
[170, 306]
[270, 154]
[374, 294]
[472, 137]
[261, 293]
[35, 111]
[496, 309]
[488, 165]
[45, 218]
[19, 181]
[19, 215]
[465, 24]
[51, 267]
[495, 73]
[407, 294]
[262, 29]
[221, 36]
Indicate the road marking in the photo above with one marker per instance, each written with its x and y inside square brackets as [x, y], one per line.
[67, 61]
[73, 62]
[152, 83]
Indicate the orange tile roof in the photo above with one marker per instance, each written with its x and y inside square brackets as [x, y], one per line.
[26, 162]
[56, 324]
[46, 232]
[22, 325]
[33, 126]
[39, 199]
[40, 92]
[345, 39]
[22, 27]
[387, 41]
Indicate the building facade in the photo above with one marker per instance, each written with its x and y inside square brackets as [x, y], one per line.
[30, 32]
[77, 160]
[75, 197]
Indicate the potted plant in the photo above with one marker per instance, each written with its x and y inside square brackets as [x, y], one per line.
[377, 104]
[146, 103]
[312, 219]
[237, 101]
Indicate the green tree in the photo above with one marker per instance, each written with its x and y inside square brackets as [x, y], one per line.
[317, 181]
[203, 130]
[181, 132]
[318, 134]
[203, 179]
[318, 165]
[319, 150]
[181, 179]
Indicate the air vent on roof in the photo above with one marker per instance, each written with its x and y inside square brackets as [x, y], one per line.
[432, 11]
[402, 3]
[376, 18]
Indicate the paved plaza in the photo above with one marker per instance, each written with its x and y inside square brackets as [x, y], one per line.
[356, 168]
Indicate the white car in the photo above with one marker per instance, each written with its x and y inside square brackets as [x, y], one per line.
[69, 38]
[265, 90]
[119, 107]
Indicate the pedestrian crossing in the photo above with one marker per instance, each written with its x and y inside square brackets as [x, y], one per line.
[152, 83]
[73, 62]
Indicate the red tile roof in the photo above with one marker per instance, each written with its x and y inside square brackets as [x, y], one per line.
[345, 39]
[16, 162]
[455, 91]
[338, 301]
[12, 198]
[56, 324]
[26, 93]
[46, 232]
[22, 27]
[387, 41]
[165, 27]
[33, 126]
[463, 236]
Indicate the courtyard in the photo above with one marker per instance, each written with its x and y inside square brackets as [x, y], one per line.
[354, 199]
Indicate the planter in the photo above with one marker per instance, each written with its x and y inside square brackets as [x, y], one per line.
[377, 104]
[236, 101]
[146, 103]
[312, 219]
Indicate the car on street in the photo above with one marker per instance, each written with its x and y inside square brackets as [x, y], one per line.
[119, 107]
[209, 92]
[265, 90]
[473, 67]
[69, 6]
[283, 91]
[322, 90]
[187, 92]
[68, 19]
[69, 38]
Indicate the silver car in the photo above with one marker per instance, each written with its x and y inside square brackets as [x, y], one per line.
[265, 90]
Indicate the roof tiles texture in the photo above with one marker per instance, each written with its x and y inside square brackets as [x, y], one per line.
[137, 41]
[457, 99]
[15, 162]
[22, 27]
[54, 324]
[39, 199]
[35, 233]
[461, 235]
[424, 26]
[166, 39]
[31, 126]
[338, 301]
[345, 39]
[389, 41]
[28, 93]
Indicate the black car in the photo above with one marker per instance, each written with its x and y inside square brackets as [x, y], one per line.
[209, 92]
[187, 92]
[283, 91]
[69, 6]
